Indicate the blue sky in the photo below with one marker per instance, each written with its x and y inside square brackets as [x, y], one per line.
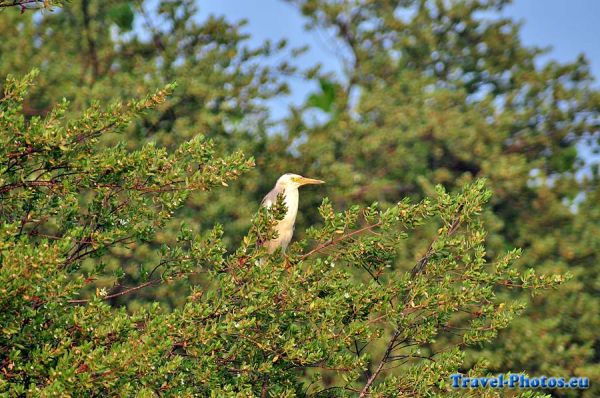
[570, 27]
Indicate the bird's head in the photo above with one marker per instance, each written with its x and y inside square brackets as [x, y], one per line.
[295, 180]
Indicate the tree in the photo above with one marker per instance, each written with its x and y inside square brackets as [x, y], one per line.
[89, 49]
[441, 92]
[266, 322]
[434, 93]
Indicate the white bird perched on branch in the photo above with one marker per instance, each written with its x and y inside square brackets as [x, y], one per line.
[287, 185]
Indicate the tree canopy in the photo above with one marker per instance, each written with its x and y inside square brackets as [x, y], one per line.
[457, 231]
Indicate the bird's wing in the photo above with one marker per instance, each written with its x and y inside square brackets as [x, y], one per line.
[271, 197]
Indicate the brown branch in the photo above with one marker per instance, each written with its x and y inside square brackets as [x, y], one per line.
[341, 238]
[265, 388]
[121, 293]
[96, 133]
[72, 259]
[384, 360]
[168, 187]
[9, 187]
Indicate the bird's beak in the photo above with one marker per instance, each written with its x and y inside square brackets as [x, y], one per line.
[307, 181]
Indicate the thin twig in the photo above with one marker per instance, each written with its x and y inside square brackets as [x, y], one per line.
[265, 388]
[341, 238]
[121, 293]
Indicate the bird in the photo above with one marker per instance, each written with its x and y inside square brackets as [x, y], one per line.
[287, 185]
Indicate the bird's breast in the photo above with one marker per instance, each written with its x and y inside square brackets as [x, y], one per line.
[291, 203]
[285, 227]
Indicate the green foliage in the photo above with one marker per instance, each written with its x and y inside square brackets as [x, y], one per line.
[124, 271]
[444, 93]
[325, 100]
[222, 83]
[122, 15]
[265, 321]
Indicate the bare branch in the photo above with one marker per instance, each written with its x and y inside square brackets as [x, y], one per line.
[341, 238]
[121, 293]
